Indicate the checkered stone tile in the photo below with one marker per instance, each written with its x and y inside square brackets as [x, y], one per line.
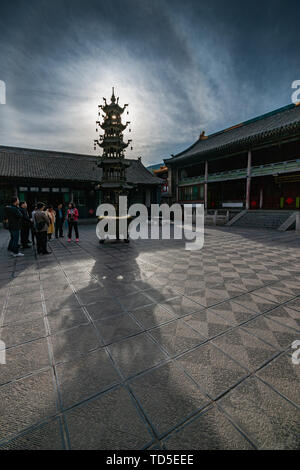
[235, 260]
[177, 277]
[152, 316]
[209, 297]
[104, 309]
[284, 376]
[24, 359]
[85, 377]
[74, 342]
[65, 319]
[211, 430]
[178, 397]
[117, 327]
[18, 302]
[181, 306]
[213, 370]
[177, 337]
[273, 295]
[270, 421]
[47, 436]
[34, 399]
[56, 303]
[16, 334]
[286, 316]
[291, 287]
[231, 288]
[295, 304]
[245, 348]
[255, 303]
[267, 277]
[161, 295]
[280, 336]
[89, 296]
[110, 421]
[208, 323]
[250, 284]
[232, 312]
[136, 354]
[133, 301]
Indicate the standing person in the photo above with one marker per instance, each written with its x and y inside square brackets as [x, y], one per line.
[73, 216]
[51, 214]
[25, 225]
[42, 223]
[33, 229]
[13, 216]
[60, 218]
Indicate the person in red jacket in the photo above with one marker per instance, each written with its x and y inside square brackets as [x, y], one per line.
[72, 216]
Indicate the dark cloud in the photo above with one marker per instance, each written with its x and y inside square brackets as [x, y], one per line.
[184, 66]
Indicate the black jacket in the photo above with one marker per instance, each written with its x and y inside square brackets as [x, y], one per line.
[14, 216]
[57, 218]
[25, 221]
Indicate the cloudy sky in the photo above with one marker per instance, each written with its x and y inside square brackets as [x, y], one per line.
[183, 66]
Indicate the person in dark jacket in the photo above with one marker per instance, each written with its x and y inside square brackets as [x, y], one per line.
[42, 223]
[13, 216]
[33, 231]
[59, 221]
[25, 225]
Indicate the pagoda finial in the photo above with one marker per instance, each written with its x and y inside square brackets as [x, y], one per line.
[113, 98]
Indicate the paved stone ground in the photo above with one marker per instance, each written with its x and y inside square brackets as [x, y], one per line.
[149, 346]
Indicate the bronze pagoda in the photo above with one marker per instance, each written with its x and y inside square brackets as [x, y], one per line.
[113, 182]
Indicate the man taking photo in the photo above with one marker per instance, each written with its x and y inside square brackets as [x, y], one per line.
[13, 218]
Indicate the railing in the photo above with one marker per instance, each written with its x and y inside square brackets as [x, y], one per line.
[280, 167]
[261, 170]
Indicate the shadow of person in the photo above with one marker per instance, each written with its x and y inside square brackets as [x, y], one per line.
[115, 319]
[117, 328]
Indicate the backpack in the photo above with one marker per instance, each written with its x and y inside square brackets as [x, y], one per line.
[39, 225]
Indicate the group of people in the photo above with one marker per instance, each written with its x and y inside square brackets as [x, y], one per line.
[43, 222]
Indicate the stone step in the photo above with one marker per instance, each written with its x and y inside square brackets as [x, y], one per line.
[263, 219]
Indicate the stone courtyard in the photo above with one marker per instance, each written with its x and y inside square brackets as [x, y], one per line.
[149, 346]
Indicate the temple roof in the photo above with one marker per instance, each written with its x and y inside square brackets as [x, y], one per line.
[281, 123]
[18, 162]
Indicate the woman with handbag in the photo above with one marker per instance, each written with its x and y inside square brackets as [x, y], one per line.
[72, 216]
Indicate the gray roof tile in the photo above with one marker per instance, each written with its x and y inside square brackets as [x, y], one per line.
[281, 122]
[46, 165]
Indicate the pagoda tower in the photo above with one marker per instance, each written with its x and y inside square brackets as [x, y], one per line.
[112, 161]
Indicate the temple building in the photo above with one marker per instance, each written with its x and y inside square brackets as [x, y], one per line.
[53, 177]
[161, 171]
[252, 165]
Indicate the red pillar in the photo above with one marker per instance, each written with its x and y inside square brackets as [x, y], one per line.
[205, 185]
[261, 198]
[248, 191]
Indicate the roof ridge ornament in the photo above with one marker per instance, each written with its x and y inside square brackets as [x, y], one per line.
[203, 136]
[113, 98]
